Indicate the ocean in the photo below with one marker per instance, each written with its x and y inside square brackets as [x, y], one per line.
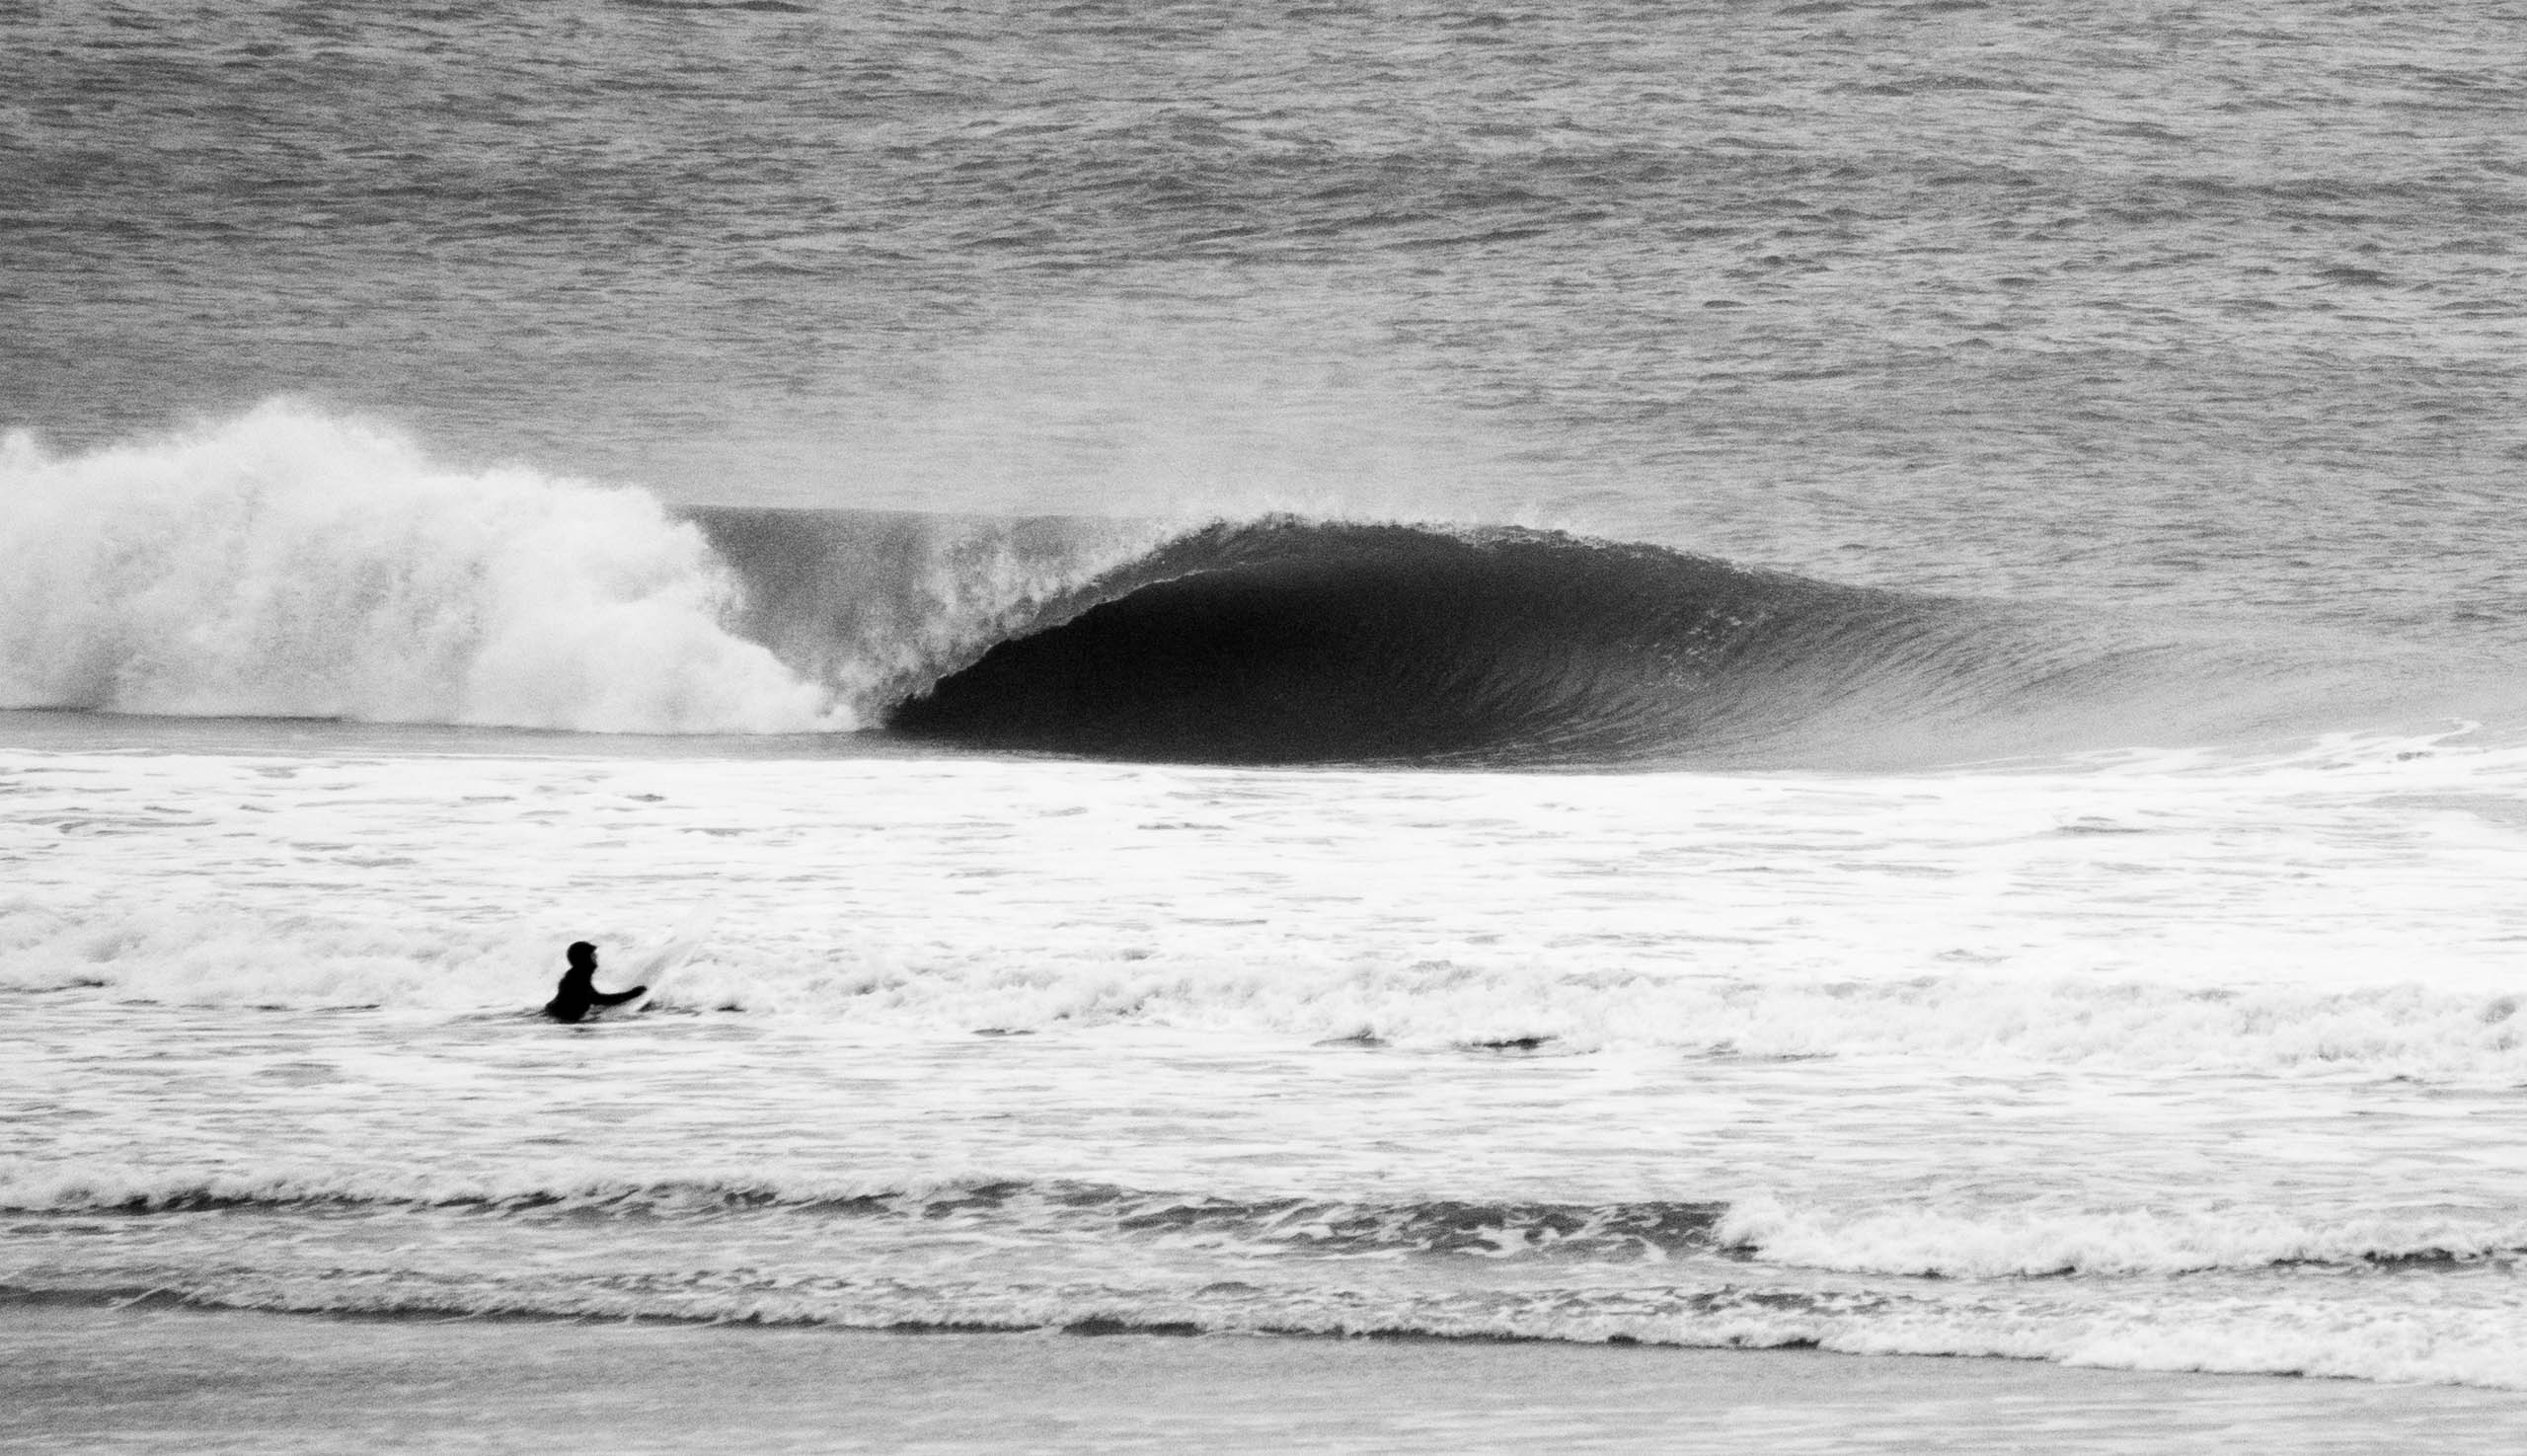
[1831, 676]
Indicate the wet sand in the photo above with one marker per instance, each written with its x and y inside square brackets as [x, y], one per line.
[76, 1378]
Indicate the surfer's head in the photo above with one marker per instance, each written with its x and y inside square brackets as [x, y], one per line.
[583, 956]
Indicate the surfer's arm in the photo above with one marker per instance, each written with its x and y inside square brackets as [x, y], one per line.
[617, 998]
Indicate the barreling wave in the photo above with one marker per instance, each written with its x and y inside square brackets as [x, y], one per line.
[1725, 1318]
[1289, 641]
[1284, 639]
[288, 564]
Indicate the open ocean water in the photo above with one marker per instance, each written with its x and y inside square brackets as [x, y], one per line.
[1715, 674]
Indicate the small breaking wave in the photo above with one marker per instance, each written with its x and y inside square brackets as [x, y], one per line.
[2420, 1346]
[1988, 1244]
[1898, 1240]
[1287, 1225]
[2200, 1287]
[1291, 641]
[2309, 1329]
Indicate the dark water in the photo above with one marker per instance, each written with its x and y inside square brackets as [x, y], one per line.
[1285, 640]
[2198, 306]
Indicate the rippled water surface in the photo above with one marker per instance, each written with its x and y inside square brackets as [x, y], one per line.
[2206, 304]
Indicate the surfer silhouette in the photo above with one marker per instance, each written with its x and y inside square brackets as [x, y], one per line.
[577, 994]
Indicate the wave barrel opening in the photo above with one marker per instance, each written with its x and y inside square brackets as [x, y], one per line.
[1285, 642]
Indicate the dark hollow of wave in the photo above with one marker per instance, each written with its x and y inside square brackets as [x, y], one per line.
[1286, 642]
[1290, 642]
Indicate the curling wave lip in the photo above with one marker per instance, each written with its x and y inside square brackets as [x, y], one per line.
[1287, 640]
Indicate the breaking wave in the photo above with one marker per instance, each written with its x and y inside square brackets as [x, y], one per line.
[1290, 1225]
[1897, 1239]
[1291, 641]
[292, 566]
[288, 564]
[1284, 639]
[2303, 1295]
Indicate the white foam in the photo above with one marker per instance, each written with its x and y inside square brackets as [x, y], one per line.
[2337, 919]
[2103, 1048]
[1989, 1243]
[385, 955]
[288, 564]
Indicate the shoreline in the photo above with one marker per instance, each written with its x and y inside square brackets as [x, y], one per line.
[168, 1379]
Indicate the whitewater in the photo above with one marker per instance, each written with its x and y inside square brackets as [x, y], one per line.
[1498, 727]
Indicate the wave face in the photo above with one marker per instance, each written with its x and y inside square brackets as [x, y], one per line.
[1288, 640]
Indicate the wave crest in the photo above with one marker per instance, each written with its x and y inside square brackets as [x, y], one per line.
[291, 564]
